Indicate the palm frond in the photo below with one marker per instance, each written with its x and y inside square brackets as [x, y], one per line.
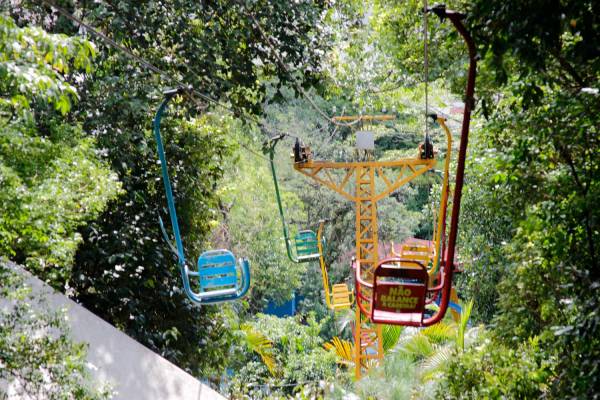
[344, 350]
[436, 362]
[261, 345]
[391, 334]
[440, 332]
[462, 326]
[418, 347]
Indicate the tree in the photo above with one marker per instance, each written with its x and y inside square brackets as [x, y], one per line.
[124, 271]
[301, 361]
[539, 186]
[53, 181]
[543, 130]
[251, 226]
[415, 359]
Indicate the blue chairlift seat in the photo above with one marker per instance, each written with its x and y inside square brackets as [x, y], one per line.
[218, 277]
[217, 271]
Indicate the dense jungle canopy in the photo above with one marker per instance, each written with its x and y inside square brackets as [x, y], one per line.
[81, 188]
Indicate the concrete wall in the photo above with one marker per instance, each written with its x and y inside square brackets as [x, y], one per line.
[132, 370]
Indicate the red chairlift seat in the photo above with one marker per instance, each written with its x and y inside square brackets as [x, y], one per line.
[399, 292]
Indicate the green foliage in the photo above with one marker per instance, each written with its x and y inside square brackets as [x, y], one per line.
[54, 183]
[529, 221]
[537, 179]
[379, 384]
[465, 315]
[33, 64]
[390, 335]
[492, 371]
[38, 356]
[259, 344]
[53, 180]
[215, 46]
[483, 236]
[413, 367]
[378, 59]
[252, 227]
[297, 349]
[125, 272]
[416, 361]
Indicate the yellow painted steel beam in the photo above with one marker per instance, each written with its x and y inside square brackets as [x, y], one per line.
[313, 175]
[353, 164]
[312, 170]
[403, 181]
[368, 337]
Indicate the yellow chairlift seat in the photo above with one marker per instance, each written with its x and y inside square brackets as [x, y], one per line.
[421, 251]
[341, 297]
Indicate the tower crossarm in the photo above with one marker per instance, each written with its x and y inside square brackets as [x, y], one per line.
[394, 174]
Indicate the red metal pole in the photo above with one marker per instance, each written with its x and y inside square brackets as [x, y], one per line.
[448, 261]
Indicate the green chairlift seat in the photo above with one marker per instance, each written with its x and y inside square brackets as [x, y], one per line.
[305, 242]
[307, 246]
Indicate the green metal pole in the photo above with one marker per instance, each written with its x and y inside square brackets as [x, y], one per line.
[279, 205]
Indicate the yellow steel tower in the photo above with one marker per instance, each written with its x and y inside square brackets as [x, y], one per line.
[338, 176]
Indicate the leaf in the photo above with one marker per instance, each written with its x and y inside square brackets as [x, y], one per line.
[440, 332]
[418, 346]
[391, 335]
[344, 349]
[435, 363]
[462, 326]
[261, 345]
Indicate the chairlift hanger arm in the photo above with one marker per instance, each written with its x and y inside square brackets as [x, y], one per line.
[448, 260]
[169, 94]
[324, 273]
[444, 196]
[305, 241]
[337, 296]
[286, 235]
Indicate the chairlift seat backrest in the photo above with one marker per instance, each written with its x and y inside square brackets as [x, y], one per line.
[417, 252]
[341, 296]
[399, 292]
[217, 270]
[307, 248]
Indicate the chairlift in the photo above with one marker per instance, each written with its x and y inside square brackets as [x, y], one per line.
[305, 241]
[218, 278]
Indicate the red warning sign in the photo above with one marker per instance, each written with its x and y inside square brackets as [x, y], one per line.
[400, 297]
